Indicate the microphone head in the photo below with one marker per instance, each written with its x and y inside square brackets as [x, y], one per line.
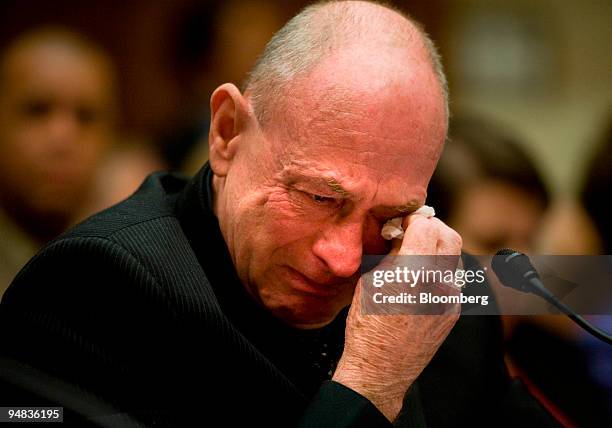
[513, 269]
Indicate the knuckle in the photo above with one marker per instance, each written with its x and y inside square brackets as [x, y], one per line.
[451, 236]
[425, 224]
[456, 239]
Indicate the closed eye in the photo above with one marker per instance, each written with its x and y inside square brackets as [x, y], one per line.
[319, 199]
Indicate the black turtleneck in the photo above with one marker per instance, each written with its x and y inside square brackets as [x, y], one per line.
[306, 357]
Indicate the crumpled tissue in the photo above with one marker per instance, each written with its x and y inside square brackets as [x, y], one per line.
[393, 228]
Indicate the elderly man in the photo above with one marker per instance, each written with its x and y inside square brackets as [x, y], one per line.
[224, 298]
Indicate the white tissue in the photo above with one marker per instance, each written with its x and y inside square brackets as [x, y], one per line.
[393, 228]
[426, 210]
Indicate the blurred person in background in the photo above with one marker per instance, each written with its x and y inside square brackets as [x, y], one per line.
[595, 197]
[488, 188]
[218, 42]
[57, 115]
[596, 188]
[122, 171]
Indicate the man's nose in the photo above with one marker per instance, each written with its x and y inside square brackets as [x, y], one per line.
[340, 247]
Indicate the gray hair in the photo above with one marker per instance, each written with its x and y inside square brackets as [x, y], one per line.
[297, 47]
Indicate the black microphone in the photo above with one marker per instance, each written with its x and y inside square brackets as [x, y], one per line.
[515, 270]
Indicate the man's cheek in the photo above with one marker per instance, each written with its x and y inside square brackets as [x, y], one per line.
[280, 206]
[286, 225]
[284, 206]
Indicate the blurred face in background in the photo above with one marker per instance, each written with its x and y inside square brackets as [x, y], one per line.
[493, 214]
[55, 122]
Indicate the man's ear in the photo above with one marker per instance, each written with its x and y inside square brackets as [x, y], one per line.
[228, 121]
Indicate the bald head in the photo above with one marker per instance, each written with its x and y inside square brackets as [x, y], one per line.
[330, 28]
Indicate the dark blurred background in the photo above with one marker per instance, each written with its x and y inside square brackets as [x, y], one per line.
[531, 95]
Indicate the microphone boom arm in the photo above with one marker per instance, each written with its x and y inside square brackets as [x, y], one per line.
[514, 270]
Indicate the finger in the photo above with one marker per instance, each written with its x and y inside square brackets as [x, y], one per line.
[356, 302]
[420, 236]
[449, 242]
[448, 250]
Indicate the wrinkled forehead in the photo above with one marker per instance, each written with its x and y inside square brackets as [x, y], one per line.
[392, 122]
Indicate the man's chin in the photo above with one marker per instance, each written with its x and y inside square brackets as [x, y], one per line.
[295, 305]
[305, 318]
[311, 325]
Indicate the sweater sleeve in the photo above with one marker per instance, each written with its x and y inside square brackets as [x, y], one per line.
[83, 315]
[337, 406]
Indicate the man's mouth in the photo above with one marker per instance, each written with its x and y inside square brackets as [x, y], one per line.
[306, 285]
